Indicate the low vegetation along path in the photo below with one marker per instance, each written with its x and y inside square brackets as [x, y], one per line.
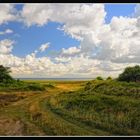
[31, 116]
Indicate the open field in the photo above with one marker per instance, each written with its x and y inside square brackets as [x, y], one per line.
[72, 108]
[69, 69]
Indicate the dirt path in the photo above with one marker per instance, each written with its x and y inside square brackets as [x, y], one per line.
[11, 126]
[34, 120]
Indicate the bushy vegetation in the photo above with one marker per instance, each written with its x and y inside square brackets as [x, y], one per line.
[108, 105]
[112, 87]
[130, 74]
[109, 78]
[99, 78]
[21, 86]
[4, 75]
[97, 107]
[7, 83]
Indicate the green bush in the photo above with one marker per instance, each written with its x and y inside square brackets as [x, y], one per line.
[130, 74]
[99, 78]
[109, 78]
[49, 85]
[21, 86]
[88, 85]
[4, 75]
[34, 87]
[108, 105]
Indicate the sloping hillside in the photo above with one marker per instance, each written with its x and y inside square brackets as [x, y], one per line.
[103, 105]
[72, 108]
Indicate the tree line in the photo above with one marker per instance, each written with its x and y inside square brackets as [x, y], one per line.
[130, 74]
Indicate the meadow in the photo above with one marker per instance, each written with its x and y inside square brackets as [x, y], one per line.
[49, 108]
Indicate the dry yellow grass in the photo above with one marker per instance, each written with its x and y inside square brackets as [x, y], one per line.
[39, 121]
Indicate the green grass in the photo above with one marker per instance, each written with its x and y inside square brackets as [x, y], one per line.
[21, 86]
[104, 105]
[97, 108]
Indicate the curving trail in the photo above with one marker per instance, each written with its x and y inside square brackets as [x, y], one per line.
[35, 118]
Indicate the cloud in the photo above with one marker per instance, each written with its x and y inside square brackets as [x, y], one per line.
[114, 41]
[105, 49]
[6, 46]
[62, 59]
[7, 31]
[7, 13]
[70, 51]
[137, 11]
[78, 19]
[43, 47]
[11, 61]
[35, 14]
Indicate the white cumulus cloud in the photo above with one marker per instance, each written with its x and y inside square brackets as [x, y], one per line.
[7, 31]
[71, 51]
[7, 13]
[105, 49]
[77, 18]
[45, 46]
[6, 46]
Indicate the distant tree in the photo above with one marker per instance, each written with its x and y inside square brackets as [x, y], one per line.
[109, 78]
[99, 78]
[4, 74]
[130, 74]
[18, 80]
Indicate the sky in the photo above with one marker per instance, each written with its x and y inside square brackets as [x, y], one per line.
[69, 40]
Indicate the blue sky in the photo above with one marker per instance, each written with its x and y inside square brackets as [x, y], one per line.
[29, 39]
[34, 29]
[118, 10]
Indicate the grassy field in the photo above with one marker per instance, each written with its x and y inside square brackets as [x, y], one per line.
[70, 108]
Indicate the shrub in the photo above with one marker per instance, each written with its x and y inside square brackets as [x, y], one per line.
[34, 87]
[99, 78]
[50, 85]
[4, 74]
[88, 86]
[109, 78]
[130, 74]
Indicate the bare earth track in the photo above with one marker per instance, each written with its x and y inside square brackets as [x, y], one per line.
[24, 115]
[51, 112]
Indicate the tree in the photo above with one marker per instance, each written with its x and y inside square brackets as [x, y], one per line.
[99, 78]
[109, 78]
[4, 74]
[130, 74]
